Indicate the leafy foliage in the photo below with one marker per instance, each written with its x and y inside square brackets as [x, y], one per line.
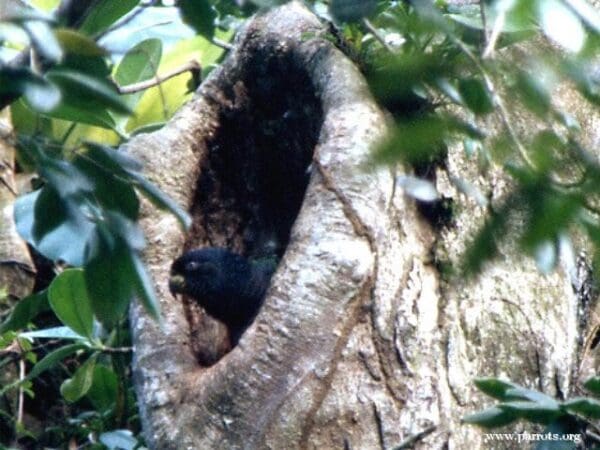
[436, 69]
[570, 417]
[82, 213]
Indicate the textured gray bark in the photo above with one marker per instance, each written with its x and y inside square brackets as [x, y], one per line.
[362, 342]
[17, 273]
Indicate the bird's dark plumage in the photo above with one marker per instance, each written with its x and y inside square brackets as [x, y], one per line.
[229, 286]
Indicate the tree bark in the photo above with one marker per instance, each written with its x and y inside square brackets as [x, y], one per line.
[17, 273]
[363, 341]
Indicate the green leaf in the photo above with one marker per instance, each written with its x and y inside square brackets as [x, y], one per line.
[148, 128]
[493, 417]
[103, 391]
[160, 102]
[106, 13]
[40, 94]
[53, 358]
[139, 64]
[70, 302]
[521, 393]
[74, 388]
[593, 385]
[421, 140]
[109, 277]
[521, 15]
[514, 18]
[533, 94]
[114, 274]
[475, 96]
[28, 122]
[116, 161]
[86, 91]
[144, 288]
[587, 407]
[112, 189]
[161, 200]
[396, 77]
[43, 39]
[78, 44]
[583, 78]
[42, 220]
[200, 15]
[53, 333]
[98, 117]
[63, 176]
[495, 387]
[97, 190]
[351, 10]
[533, 412]
[543, 146]
[94, 65]
[414, 142]
[24, 311]
[550, 213]
[72, 226]
[125, 229]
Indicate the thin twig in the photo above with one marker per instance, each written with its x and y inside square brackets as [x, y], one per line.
[592, 435]
[496, 31]
[413, 439]
[220, 43]
[484, 23]
[191, 66]
[124, 21]
[68, 132]
[375, 32]
[7, 185]
[594, 426]
[116, 349]
[21, 404]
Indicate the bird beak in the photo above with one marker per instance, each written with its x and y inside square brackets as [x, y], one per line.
[176, 284]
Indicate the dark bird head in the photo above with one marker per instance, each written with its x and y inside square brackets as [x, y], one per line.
[227, 285]
[196, 272]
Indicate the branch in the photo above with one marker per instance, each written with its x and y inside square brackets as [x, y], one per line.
[494, 36]
[375, 32]
[222, 44]
[413, 439]
[192, 66]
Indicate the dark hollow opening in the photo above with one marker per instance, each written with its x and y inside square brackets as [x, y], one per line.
[254, 177]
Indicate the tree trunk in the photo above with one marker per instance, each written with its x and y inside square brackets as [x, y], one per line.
[363, 341]
[17, 273]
